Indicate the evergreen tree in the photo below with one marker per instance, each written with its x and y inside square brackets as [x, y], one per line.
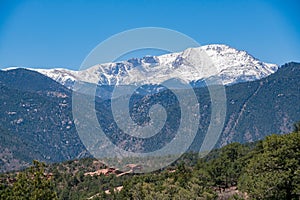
[274, 173]
[33, 184]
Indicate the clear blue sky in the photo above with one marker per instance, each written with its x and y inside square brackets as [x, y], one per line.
[53, 33]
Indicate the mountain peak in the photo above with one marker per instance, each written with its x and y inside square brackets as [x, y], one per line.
[231, 66]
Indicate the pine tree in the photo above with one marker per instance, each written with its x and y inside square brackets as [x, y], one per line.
[33, 184]
[274, 173]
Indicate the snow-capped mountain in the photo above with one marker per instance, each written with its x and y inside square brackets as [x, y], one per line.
[221, 61]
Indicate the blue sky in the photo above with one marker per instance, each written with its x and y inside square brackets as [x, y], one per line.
[53, 33]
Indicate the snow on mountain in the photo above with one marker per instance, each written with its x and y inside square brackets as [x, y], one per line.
[230, 65]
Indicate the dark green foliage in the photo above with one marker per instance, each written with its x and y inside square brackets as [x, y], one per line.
[274, 172]
[268, 169]
[226, 168]
[31, 184]
[184, 183]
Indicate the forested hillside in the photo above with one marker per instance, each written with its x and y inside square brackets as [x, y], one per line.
[267, 169]
[36, 119]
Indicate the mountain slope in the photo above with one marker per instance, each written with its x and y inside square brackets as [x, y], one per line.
[231, 65]
[269, 105]
[36, 119]
[36, 114]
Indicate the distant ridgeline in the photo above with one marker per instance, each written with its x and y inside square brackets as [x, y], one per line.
[36, 115]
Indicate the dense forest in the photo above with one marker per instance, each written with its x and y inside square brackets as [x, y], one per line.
[267, 169]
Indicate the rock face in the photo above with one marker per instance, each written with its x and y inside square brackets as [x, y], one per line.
[231, 65]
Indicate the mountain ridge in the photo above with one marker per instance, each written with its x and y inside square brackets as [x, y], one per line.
[42, 120]
[230, 65]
